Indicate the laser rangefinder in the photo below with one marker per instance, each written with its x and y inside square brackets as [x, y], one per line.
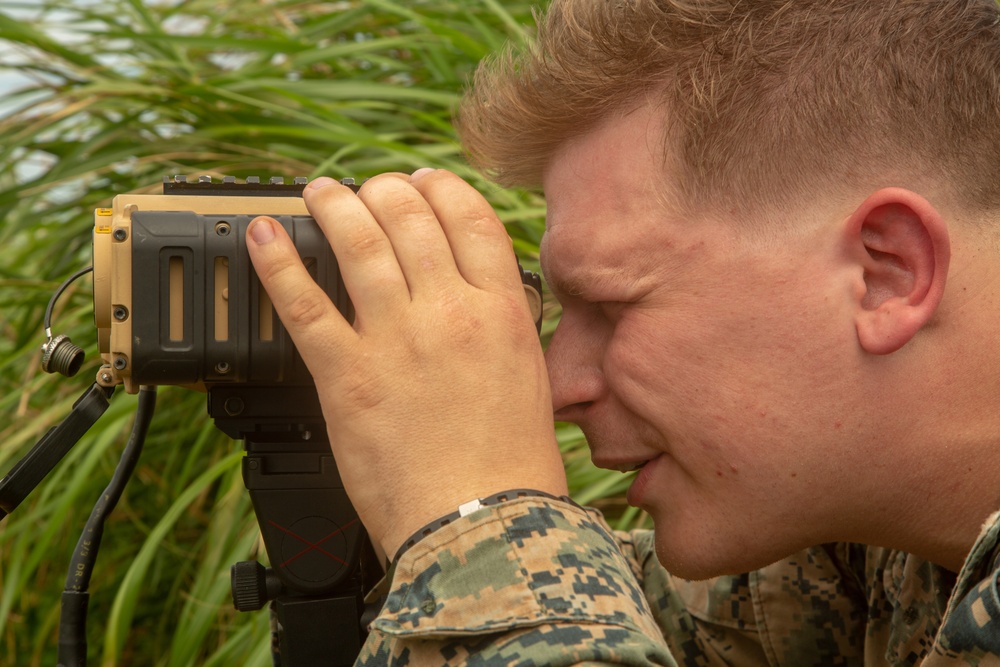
[176, 299]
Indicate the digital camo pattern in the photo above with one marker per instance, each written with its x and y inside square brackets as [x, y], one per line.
[522, 583]
[802, 611]
[970, 633]
[535, 582]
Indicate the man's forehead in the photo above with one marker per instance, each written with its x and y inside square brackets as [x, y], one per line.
[573, 240]
[619, 151]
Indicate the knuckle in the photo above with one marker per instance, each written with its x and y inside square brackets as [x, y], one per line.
[454, 310]
[274, 272]
[513, 312]
[404, 208]
[465, 323]
[365, 395]
[308, 307]
[485, 224]
[393, 198]
[360, 242]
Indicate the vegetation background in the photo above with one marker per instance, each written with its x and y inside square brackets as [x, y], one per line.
[110, 97]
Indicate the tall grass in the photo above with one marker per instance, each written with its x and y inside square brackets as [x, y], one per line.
[116, 95]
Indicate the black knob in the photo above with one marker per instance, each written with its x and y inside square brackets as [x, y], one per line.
[253, 585]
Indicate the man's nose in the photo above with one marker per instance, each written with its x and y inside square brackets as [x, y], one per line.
[573, 358]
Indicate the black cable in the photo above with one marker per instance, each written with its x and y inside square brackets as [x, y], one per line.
[59, 354]
[56, 294]
[73, 620]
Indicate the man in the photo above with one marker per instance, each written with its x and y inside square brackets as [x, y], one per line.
[772, 229]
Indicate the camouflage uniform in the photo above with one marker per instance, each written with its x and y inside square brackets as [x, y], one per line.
[538, 582]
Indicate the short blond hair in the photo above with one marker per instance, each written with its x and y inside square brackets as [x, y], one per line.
[760, 97]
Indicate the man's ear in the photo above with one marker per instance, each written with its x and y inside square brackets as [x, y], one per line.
[903, 246]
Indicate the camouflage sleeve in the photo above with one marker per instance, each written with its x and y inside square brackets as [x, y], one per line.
[970, 630]
[528, 582]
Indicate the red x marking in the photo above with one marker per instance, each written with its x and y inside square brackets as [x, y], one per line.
[310, 545]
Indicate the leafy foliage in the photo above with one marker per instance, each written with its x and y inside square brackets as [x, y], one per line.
[110, 97]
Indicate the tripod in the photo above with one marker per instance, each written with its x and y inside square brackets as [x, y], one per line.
[321, 560]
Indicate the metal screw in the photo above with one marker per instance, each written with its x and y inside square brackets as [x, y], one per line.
[120, 363]
[120, 313]
[223, 228]
[120, 234]
[234, 406]
[106, 377]
[222, 367]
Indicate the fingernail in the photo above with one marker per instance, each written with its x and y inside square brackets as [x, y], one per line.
[261, 231]
[420, 173]
[320, 182]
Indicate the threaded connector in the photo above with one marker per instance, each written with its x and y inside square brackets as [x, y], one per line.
[60, 355]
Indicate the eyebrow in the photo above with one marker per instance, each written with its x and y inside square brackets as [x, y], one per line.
[570, 279]
[576, 284]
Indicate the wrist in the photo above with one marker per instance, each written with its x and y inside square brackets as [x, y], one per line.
[468, 508]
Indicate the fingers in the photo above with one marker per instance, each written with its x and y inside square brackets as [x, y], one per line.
[304, 308]
[368, 264]
[433, 278]
[438, 226]
[399, 238]
[478, 241]
[389, 221]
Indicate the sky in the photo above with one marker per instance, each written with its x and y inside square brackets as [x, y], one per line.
[27, 9]
[11, 79]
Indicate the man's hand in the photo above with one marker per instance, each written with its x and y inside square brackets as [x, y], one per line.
[438, 392]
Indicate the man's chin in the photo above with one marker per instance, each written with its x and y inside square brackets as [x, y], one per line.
[697, 558]
[693, 569]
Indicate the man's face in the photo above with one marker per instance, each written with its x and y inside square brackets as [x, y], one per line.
[718, 365]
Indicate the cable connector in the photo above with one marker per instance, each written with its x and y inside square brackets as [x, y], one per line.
[60, 355]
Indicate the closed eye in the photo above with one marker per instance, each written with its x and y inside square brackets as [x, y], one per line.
[611, 310]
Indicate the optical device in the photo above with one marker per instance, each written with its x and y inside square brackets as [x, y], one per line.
[177, 302]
